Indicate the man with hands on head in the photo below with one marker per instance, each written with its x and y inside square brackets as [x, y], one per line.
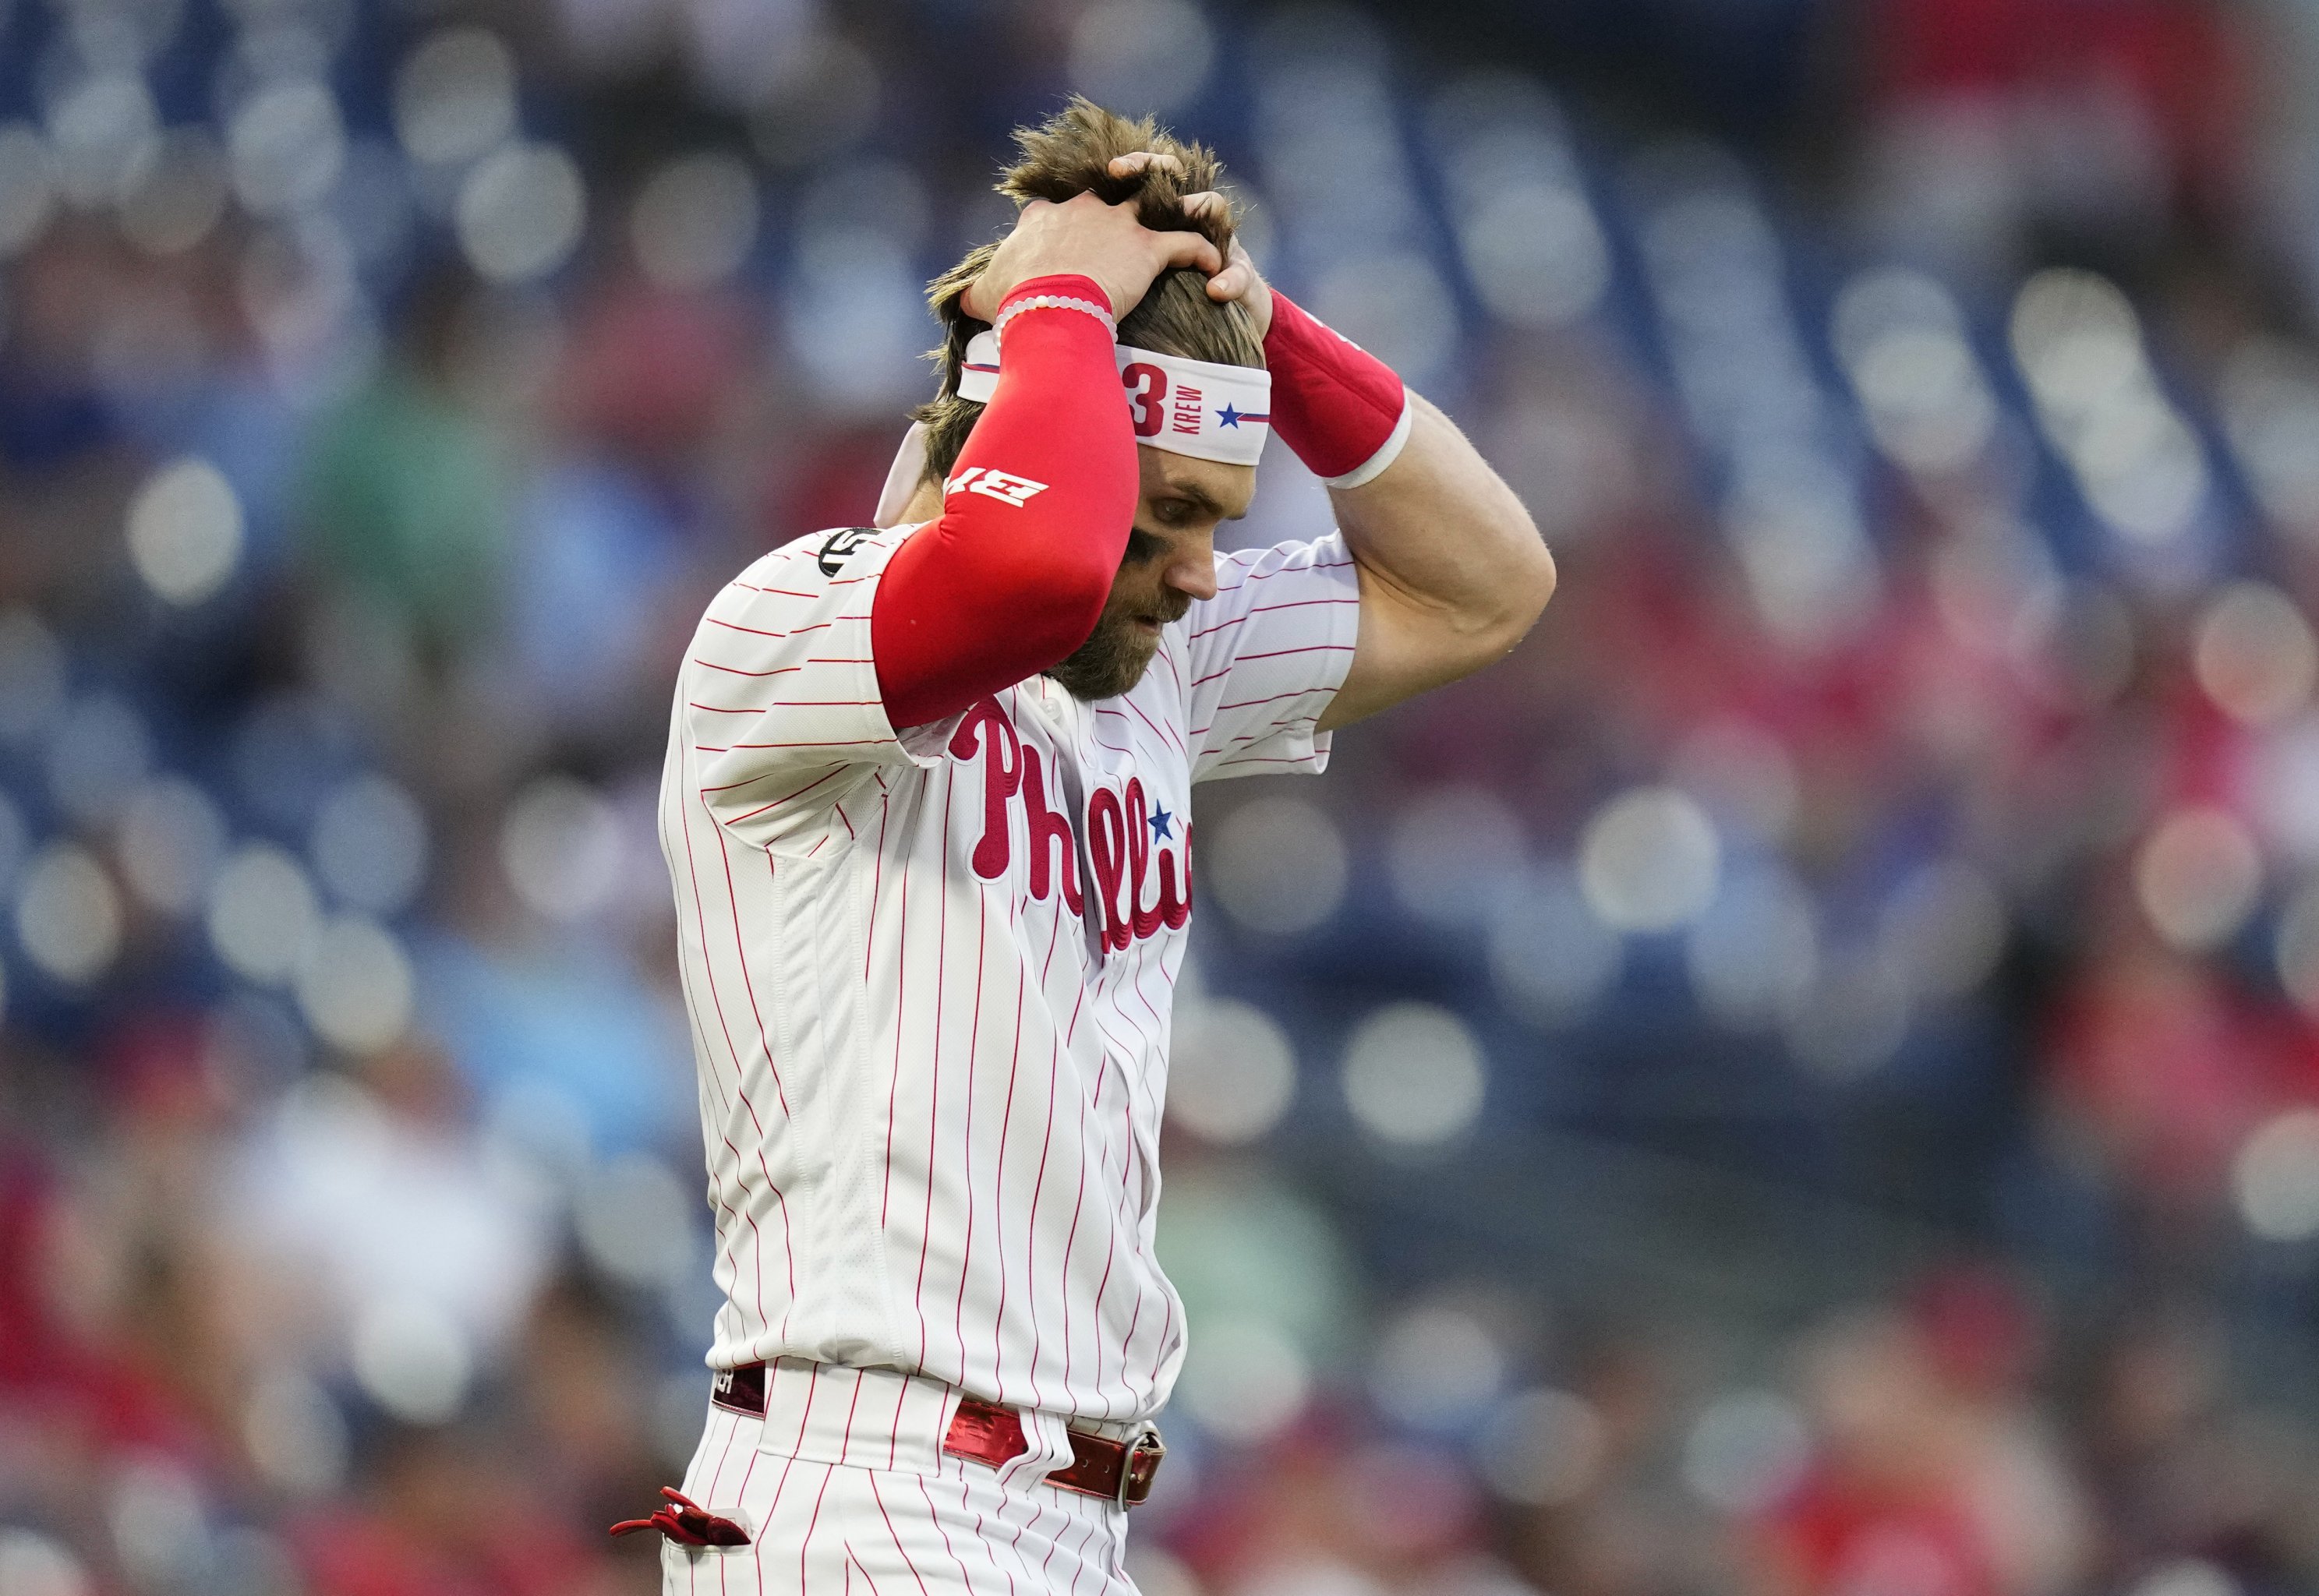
[928, 815]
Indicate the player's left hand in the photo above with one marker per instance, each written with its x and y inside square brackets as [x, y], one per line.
[1239, 280]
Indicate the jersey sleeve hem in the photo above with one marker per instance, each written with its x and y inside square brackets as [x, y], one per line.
[1277, 717]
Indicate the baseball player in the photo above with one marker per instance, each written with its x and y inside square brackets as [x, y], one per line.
[928, 809]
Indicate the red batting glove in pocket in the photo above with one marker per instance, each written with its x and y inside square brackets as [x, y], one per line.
[687, 1523]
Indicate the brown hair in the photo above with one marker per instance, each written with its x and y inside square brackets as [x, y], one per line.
[1072, 155]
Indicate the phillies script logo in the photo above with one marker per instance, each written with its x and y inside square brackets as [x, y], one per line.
[1124, 841]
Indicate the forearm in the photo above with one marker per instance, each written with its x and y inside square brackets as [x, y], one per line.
[1452, 571]
[1012, 576]
[1442, 530]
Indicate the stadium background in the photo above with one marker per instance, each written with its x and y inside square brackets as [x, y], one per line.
[1801, 1080]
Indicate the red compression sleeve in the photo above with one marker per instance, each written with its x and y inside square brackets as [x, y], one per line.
[1034, 519]
[1339, 407]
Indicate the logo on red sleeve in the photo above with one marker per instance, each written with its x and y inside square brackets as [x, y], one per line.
[1002, 485]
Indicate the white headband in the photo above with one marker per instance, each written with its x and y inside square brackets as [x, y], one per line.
[1185, 407]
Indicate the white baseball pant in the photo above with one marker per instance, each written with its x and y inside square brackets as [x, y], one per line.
[844, 1491]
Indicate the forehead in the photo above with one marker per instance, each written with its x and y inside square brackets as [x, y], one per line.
[1225, 488]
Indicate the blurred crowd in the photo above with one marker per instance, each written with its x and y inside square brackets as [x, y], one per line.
[1804, 1080]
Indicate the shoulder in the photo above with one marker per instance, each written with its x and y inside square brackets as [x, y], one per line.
[815, 566]
[1240, 566]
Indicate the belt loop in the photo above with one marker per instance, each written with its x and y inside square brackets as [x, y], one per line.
[1050, 1434]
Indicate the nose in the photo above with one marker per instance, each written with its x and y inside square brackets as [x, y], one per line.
[1194, 572]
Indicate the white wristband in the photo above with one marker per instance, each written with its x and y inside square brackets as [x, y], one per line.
[1053, 302]
[1370, 469]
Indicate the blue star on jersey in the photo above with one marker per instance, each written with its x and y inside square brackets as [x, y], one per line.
[1228, 416]
[1160, 820]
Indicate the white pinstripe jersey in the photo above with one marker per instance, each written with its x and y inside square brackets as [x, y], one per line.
[930, 974]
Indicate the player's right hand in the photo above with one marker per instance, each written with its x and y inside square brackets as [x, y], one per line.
[1086, 237]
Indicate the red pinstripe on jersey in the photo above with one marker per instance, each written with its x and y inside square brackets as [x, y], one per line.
[871, 1001]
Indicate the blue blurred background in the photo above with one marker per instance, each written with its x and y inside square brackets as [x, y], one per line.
[1804, 1080]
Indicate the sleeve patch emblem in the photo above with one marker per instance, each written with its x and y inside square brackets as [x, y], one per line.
[841, 546]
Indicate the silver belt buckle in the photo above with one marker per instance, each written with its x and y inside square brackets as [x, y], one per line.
[1146, 1440]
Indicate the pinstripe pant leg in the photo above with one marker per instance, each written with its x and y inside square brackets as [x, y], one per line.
[797, 1536]
[961, 1533]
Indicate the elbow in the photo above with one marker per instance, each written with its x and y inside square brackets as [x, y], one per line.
[1522, 589]
[1534, 582]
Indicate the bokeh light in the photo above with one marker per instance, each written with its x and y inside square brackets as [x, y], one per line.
[1281, 865]
[354, 986]
[262, 913]
[1526, 225]
[2275, 1177]
[1746, 1450]
[105, 131]
[1902, 340]
[1231, 1071]
[159, 1522]
[1452, 852]
[695, 220]
[370, 844]
[2254, 652]
[1855, 1018]
[1754, 954]
[2269, 397]
[1649, 859]
[520, 212]
[68, 915]
[2189, 1577]
[1436, 1367]
[1244, 1379]
[412, 1360]
[1140, 55]
[2197, 877]
[635, 1220]
[171, 840]
[1551, 957]
[455, 96]
[1413, 1074]
[2079, 343]
[560, 846]
[286, 145]
[296, 1435]
[1946, 927]
[185, 531]
[34, 1565]
[181, 200]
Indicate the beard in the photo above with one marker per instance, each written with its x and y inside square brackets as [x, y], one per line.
[1118, 652]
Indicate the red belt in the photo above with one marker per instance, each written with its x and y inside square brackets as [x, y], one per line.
[990, 1434]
